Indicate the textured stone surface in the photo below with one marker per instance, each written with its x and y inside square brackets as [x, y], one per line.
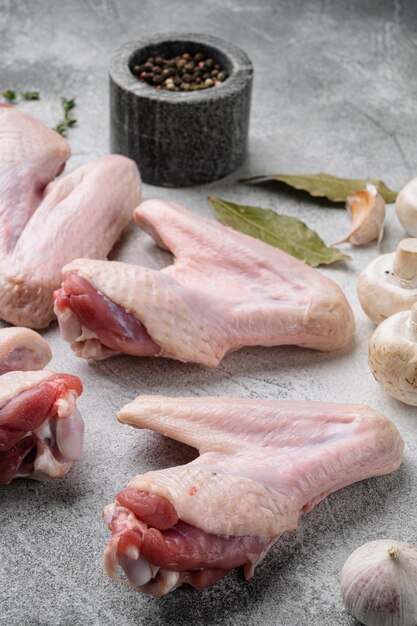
[334, 90]
[180, 138]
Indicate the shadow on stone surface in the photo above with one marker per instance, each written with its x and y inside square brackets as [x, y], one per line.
[161, 375]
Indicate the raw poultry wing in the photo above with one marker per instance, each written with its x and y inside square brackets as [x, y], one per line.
[225, 290]
[262, 465]
[41, 430]
[82, 214]
[31, 156]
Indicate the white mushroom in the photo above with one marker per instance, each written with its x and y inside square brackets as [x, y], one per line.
[393, 355]
[389, 283]
[406, 206]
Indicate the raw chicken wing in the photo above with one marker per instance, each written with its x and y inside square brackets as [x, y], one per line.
[225, 290]
[262, 465]
[31, 155]
[82, 214]
[41, 430]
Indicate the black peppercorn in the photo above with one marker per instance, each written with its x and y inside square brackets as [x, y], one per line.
[184, 72]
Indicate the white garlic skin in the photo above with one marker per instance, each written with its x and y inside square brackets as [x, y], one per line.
[379, 583]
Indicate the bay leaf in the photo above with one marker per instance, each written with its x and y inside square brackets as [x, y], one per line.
[325, 185]
[282, 231]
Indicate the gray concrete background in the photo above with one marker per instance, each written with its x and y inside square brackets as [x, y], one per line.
[335, 90]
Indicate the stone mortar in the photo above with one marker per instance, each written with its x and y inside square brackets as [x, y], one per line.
[180, 138]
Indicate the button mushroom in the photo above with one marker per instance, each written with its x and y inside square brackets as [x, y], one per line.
[406, 207]
[389, 283]
[393, 355]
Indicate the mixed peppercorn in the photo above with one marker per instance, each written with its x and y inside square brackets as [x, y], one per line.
[181, 73]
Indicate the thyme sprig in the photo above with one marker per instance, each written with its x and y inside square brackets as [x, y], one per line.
[68, 121]
[67, 104]
[12, 96]
[30, 95]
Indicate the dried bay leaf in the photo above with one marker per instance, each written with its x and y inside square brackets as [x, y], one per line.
[325, 185]
[282, 231]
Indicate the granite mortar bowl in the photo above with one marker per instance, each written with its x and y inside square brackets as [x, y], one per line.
[180, 138]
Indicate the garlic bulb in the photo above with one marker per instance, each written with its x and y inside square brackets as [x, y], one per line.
[379, 583]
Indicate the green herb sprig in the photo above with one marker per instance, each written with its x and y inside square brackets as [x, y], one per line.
[68, 121]
[30, 95]
[12, 96]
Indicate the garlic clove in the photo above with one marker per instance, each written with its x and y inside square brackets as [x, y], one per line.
[379, 583]
[406, 207]
[367, 209]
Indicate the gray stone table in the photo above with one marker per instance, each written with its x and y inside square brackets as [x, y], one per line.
[335, 90]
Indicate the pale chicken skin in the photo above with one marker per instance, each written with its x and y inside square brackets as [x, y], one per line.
[41, 430]
[225, 290]
[262, 465]
[31, 156]
[82, 214]
[22, 349]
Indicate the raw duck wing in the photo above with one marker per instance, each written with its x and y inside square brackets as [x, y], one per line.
[31, 155]
[82, 214]
[262, 465]
[225, 290]
[22, 349]
[41, 430]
